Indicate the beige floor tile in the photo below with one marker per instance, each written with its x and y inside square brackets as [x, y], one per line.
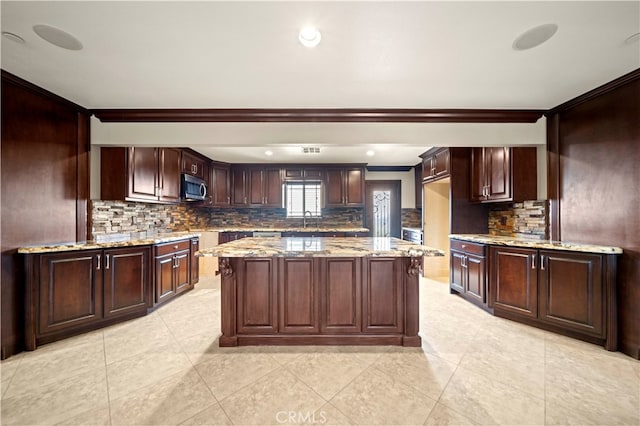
[213, 415]
[131, 342]
[587, 415]
[99, 417]
[208, 324]
[422, 371]
[8, 368]
[227, 372]
[329, 415]
[328, 370]
[442, 415]
[448, 346]
[42, 368]
[271, 400]
[489, 401]
[57, 401]
[169, 401]
[375, 398]
[145, 369]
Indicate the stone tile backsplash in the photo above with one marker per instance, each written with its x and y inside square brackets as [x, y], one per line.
[412, 218]
[112, 220]
[527, 219]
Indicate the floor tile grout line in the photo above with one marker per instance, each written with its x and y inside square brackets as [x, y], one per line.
[106, 374]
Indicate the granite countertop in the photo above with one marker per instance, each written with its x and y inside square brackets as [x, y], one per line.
[124, 242]
[320, 247]
[536, 244]
[231, 228]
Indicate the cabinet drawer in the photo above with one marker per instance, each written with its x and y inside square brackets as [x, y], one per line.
[172, 247]
[468, 247]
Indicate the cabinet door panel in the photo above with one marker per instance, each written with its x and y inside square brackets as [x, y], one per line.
[382, 295]
[571, 291]
[334, 191]
[475, 285]
[354, 186]
[457, 271]
[125, 281]
[273, 188]
[256, 187]
[514, 282]
[182, 262]
[169, 174]
[478, 180]
[341, 294]
[70, 290]
[498, 173]
[195, 261]
[298, 289]
[441, 166]
[257, 303]
[165, 283]
[143, 173]
[221, 195]
[239, 186]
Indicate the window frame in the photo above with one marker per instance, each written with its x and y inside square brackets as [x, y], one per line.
[315, 213]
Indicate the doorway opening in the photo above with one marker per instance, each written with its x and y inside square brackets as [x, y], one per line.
[436, 225]
[382, 208]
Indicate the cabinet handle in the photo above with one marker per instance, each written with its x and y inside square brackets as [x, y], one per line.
[542, 262]
[464, 246]
[106, 261]
[99, 262]
[175, 247]
[533, 261]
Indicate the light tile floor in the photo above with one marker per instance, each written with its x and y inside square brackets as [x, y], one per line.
[167, 369]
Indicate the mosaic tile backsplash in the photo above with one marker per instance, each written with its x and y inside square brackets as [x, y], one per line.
[412, 218]
[527, 219]
[117, 219]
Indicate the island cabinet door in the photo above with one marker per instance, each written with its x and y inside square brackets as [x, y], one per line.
[298, 295]
[257, 296]
[382, 295]
[340, 295]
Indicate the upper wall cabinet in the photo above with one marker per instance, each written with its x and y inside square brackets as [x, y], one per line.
[302, 173]
[256, 186]
[344, 186]
[435, 164]
[140, 174]
[194, 165]
[220, 184]
[501, 174]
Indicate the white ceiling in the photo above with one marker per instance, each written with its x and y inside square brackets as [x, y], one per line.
[372, 55]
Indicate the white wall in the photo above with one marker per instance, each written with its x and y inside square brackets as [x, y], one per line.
[407, 185]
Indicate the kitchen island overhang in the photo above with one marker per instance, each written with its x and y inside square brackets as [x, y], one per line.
[320, 291]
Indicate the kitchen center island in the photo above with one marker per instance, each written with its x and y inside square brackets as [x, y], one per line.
[320, 291]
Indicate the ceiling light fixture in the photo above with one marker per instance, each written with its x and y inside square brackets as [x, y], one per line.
[12, 36]
[371, 153]
[268, 153]
[535, 36]
[309, 36]
[57, 37]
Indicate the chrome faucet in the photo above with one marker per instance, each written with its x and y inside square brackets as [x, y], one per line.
[304, 218]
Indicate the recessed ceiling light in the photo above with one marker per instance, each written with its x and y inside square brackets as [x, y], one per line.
[371, 153]
[309, 36]
[632, 38]
[57, 37]
[535, 36]
[12, 36]
[268, 153]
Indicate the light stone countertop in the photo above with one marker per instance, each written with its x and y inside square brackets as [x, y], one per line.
[93, 245]
[320, 247]
[535, 244]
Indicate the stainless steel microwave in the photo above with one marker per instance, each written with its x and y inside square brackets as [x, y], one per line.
[192, 188]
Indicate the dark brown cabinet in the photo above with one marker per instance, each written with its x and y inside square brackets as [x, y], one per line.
[435, 164]
[341, 295]
[417, 171]
[225, 237]
[72, 292]
[220, 184]
[239, 186]
[298, 290]
[568, 292]
[140, 174]
[265, 187]
[257, 296]
[193, 165]
[344, 186]
[195, 261]
[297, 173]
[501, 174]
[172, 270]
[382, 295]
[468, 271]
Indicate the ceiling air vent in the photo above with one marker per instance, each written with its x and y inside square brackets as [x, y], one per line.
[311, 150]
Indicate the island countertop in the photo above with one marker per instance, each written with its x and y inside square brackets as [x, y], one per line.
[320, 247]
[535, 244]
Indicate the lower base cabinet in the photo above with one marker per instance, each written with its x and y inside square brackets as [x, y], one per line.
[468, 271]
[280, 300]
[571, 293]
[172, 270]
[72, 292]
